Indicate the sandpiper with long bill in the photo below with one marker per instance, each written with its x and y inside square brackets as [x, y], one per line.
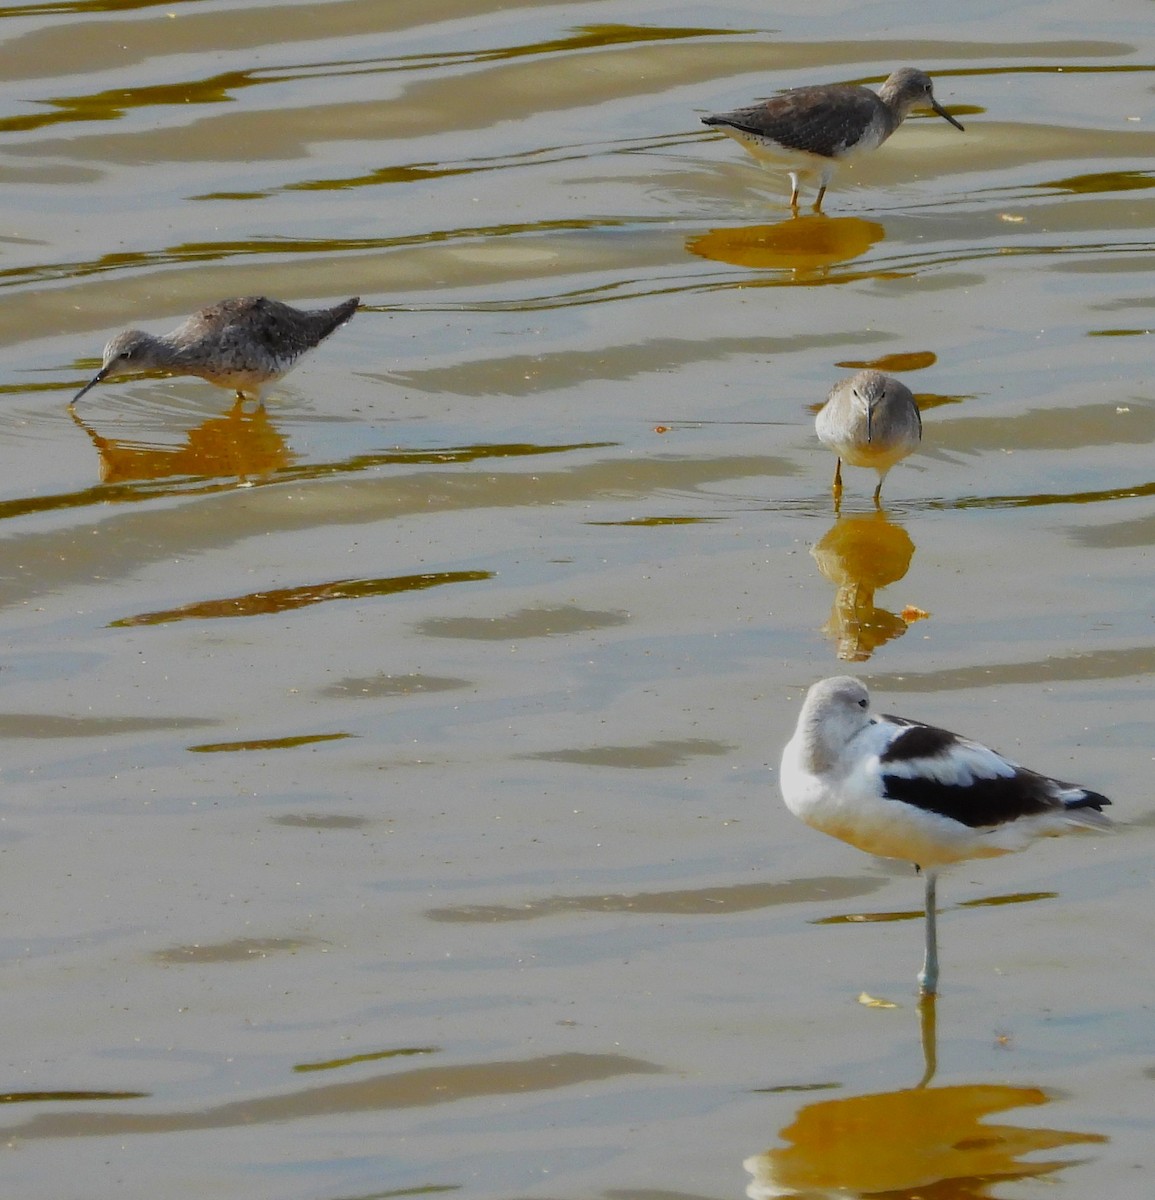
[812, 129]
[242, 344]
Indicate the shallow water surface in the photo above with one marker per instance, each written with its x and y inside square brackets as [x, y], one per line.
[390, 791]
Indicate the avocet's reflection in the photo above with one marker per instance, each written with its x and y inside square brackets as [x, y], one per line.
[935, 1143]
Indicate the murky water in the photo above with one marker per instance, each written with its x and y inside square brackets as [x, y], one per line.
[389, 775]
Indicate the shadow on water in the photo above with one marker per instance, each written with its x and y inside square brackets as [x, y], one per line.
[278, 600]
[743, 897]
[1124, 662]
[421, 1087]
[1047, 499]
[870, 918]
[239, 448]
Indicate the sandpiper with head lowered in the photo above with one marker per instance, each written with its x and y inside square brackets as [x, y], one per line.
[242, 344]
[812, 129]
[901, 789]
[869, 420]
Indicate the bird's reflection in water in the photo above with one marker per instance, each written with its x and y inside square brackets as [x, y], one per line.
[928, 1142]
[806, 245]
[931, 1142]
[860, 554]
[242, 445]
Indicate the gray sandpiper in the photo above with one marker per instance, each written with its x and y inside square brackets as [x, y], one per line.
[869, 420]
[242, 344]
[812, 129]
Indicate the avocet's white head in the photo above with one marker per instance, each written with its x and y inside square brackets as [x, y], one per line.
[834, 712]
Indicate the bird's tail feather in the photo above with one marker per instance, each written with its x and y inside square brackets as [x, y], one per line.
[1084, 807]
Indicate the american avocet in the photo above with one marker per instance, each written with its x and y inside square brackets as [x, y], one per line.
[869, 420]
[901, 789]
[241, 344]
[814, 128]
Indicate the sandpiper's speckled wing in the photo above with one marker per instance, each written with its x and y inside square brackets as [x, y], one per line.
[825, 121]
[266, 328]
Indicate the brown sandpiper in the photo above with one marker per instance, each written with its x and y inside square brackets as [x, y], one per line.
[243, 344]
[812, 129]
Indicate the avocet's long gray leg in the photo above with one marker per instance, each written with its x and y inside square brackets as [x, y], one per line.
[928, 976]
